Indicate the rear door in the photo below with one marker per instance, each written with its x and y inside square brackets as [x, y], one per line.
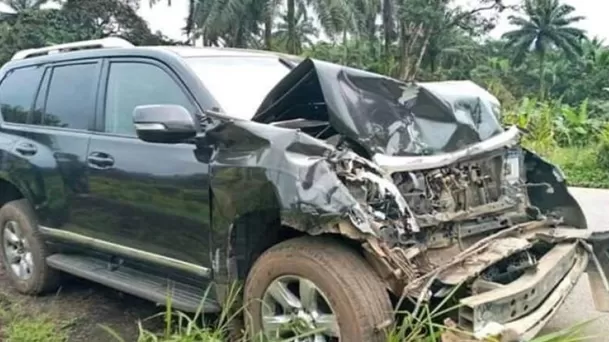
[149, 199]
[54, 141]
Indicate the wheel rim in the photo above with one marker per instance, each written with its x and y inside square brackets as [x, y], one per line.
[294, 306]
[17, 251]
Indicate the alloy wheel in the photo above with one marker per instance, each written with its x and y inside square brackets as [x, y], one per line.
[17, 252]
[294, 306]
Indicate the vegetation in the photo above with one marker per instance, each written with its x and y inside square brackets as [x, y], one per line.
[19, 324]
[418, 327]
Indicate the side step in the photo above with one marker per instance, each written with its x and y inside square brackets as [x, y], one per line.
[156, 289]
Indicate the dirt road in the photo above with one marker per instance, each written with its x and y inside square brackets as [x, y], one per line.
[82, 306]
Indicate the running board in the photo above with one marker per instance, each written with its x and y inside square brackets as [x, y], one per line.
[156, 289]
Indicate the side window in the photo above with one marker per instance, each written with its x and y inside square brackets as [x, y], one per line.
[131, 84]
[71, 97]
[17, 93]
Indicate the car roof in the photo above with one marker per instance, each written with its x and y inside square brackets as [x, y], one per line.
[191, 51]
[180, 52]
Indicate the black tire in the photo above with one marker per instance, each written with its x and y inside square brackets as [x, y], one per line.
[356, 294]
[42, 278]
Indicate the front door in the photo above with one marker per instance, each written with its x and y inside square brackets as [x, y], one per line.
[151, 198]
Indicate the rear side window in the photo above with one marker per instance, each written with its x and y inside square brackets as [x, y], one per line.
[17, 92]
[71, 97]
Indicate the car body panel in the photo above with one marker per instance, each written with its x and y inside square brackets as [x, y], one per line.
[382, 114]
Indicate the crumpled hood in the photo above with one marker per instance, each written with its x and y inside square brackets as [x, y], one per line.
[382, 114]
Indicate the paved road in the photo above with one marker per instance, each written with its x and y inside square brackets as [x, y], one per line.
[579, 307]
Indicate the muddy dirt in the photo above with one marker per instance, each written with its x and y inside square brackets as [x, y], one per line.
[81, 307]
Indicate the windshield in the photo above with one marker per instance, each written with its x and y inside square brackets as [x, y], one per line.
[239, 84]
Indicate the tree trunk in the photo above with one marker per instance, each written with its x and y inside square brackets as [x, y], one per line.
[408, 38]
[291, 18]
[268, 32]
[417, 65]
[403, 54]
[542, 67]
[345, 48]
[372, 38]
[387, 26]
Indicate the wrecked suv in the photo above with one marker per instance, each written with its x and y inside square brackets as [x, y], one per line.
[332, 194]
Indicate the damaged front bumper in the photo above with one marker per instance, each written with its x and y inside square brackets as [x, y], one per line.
[520, 307]
[527, 304]
[524, 306]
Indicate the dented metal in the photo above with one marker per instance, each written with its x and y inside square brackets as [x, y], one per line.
[423, 177]
[393, 164]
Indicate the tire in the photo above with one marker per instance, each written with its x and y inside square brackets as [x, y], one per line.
[41, 278]
[356, 295]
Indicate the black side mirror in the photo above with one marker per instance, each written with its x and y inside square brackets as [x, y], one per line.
[168, 124]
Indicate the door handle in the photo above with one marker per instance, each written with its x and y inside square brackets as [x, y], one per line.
[100, 160]
[26, 149]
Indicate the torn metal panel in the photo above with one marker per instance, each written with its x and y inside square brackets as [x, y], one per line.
[473, 265]
[384, 115]
[420, 285]
[259, 167]
[520, 297]
[528, 327]
[312, 186]
[558, 202]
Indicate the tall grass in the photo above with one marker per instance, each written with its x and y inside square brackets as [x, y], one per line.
[227, 326]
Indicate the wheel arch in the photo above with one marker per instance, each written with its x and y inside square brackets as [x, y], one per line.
[254, 233]
[9, 191]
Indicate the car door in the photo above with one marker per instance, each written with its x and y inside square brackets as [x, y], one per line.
[54, 141]
[148, 199]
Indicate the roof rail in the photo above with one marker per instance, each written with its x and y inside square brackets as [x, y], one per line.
[110, 42]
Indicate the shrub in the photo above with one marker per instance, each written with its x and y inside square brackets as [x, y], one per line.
[581, 166]
[603, 156]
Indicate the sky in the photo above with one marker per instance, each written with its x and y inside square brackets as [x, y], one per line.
[170, 20]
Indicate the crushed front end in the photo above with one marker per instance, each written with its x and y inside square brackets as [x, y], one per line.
[475, 229]
[447, 202]
[478, 235]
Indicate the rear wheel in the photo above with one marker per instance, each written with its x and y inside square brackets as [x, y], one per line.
[23, 250]
[318, 287]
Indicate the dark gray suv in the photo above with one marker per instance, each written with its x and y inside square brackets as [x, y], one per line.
[332, 194]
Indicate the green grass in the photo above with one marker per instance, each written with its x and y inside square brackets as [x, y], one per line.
[581, 166]
[421, 326]
[17, 325]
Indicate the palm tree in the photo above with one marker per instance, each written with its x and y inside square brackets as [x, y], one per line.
[236, 22]
[240, 20]
[336, 17]
[293, 37]
[19, 6]
[547, 25]
[230, 21]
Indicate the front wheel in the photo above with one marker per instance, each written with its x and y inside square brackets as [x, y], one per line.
[318, 288]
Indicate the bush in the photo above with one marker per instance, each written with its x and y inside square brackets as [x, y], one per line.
[581, 165]
[603, 156]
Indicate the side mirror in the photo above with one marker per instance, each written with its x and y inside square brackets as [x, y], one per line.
[168, 124]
